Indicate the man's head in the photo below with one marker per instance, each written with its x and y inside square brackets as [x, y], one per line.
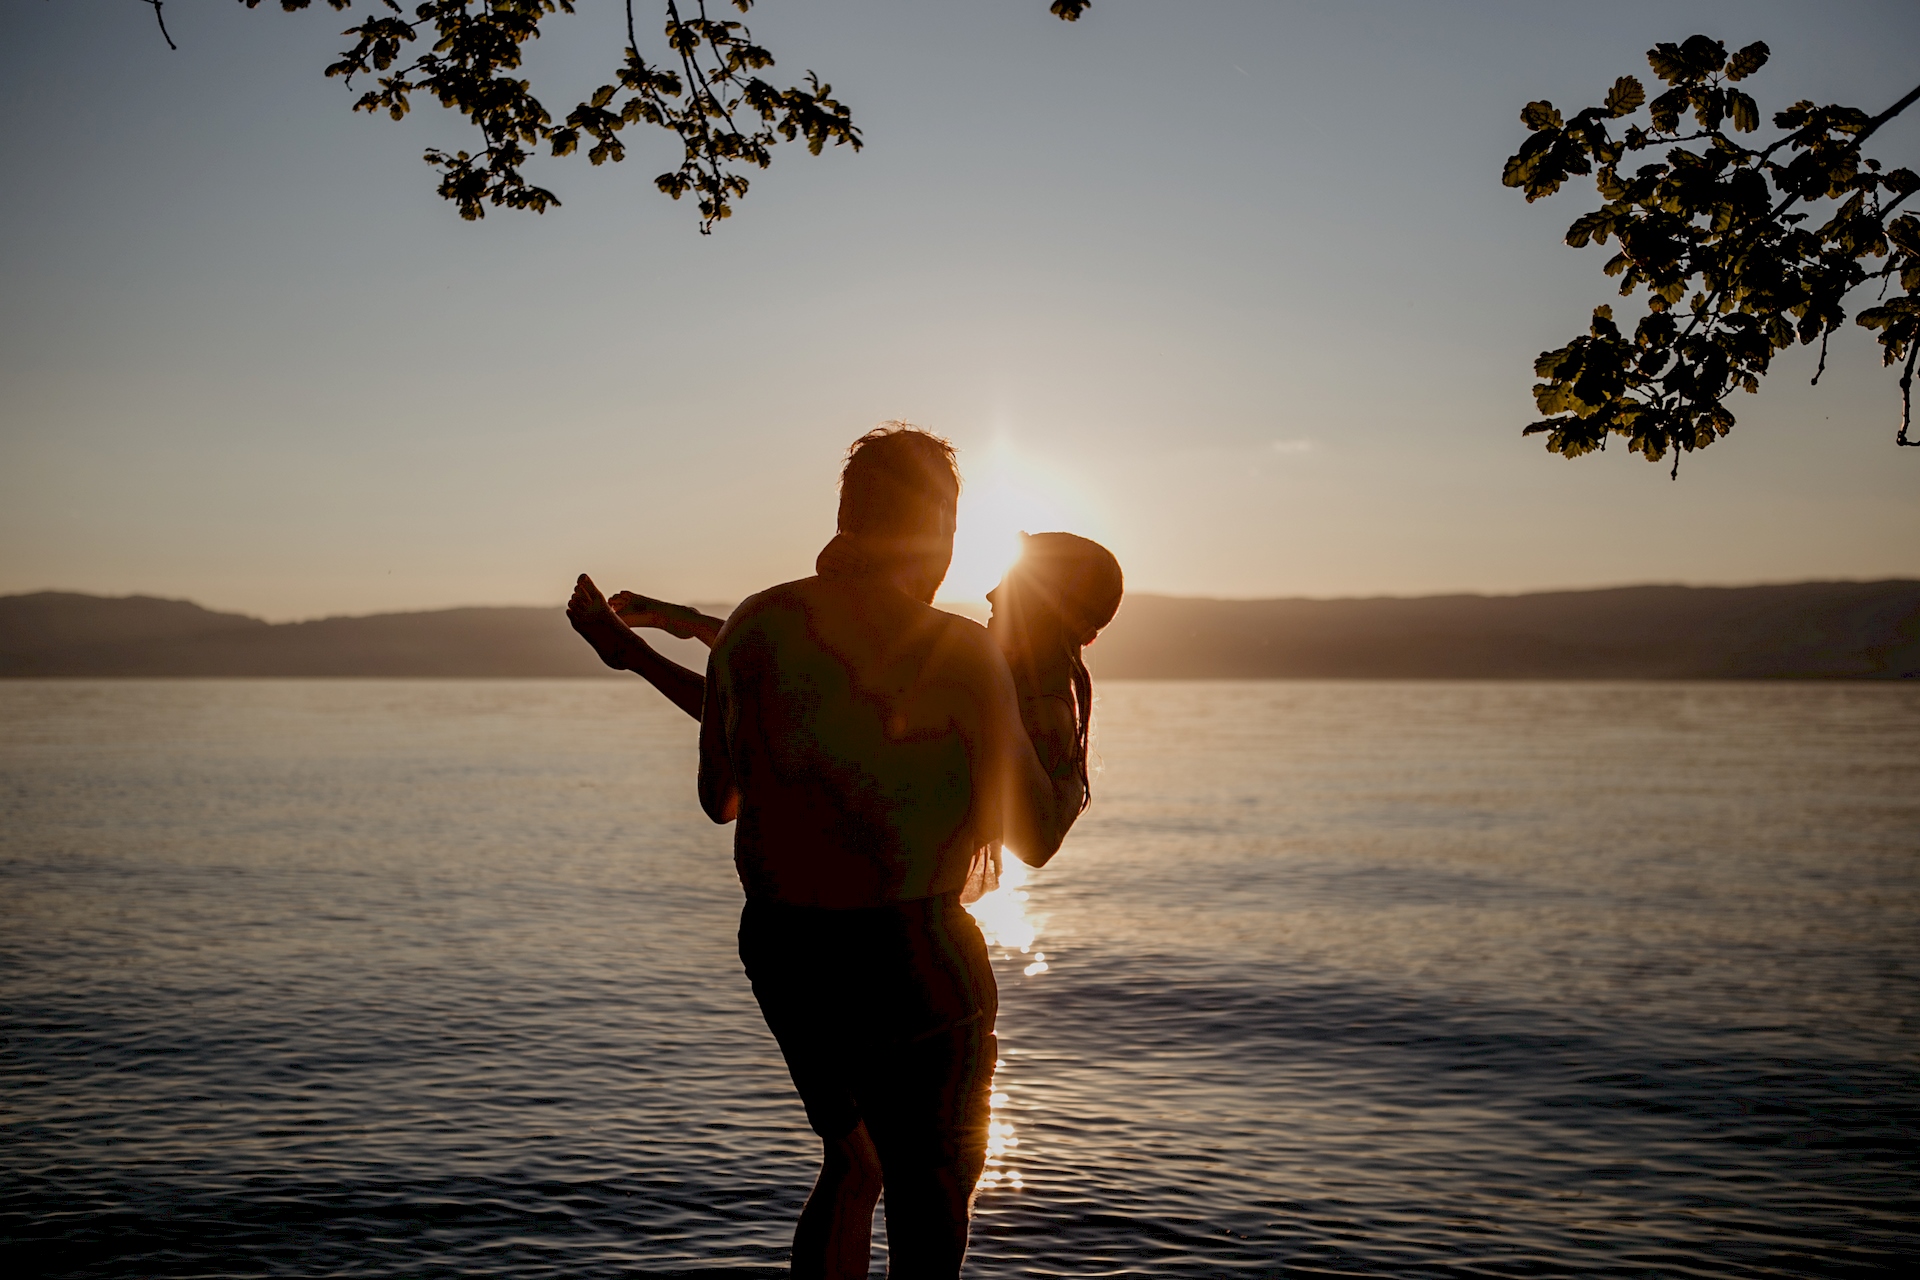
[898, 495]
[897, 483]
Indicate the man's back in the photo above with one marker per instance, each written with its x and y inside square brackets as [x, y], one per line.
[850, 718]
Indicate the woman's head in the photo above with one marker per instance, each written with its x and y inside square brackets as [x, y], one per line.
[1063, 586]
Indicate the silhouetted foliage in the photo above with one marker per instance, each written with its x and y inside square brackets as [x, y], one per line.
[1722, 237]
[706, 91]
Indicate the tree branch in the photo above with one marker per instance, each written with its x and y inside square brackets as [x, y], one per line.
[1913, 95]
[162, 20]
[1906, 396]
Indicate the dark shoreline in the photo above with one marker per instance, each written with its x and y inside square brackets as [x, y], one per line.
[1802, 631]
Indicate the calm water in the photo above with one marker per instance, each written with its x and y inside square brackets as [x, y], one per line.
[395, 979]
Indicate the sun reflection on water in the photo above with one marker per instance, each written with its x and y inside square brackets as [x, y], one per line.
[1002, 914]
[1002, 1140]
[1004, 919]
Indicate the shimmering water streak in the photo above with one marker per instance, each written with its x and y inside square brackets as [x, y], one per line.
[1011, 929]
[1003, 915]
[400, 979]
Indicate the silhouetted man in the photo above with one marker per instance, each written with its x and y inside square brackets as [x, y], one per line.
[868, 748]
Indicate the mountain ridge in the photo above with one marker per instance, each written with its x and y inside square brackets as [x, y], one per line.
[1808, 630]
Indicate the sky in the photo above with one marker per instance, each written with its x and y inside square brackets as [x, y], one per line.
[1232, 287]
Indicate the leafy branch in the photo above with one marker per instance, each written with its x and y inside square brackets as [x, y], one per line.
[705, 91]
[1720, 236]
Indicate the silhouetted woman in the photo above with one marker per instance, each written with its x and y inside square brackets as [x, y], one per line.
[1052, 603]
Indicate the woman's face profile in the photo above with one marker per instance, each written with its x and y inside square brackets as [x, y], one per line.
[1021, 620]
[1003, 622]
[996, 616]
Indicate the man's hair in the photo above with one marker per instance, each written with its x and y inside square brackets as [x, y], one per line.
[896, 479]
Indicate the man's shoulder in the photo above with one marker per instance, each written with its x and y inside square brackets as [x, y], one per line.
[965, 632]
[786, 597]
[753, 622]
[816, 603]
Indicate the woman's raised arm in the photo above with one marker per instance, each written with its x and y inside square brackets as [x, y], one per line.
[622, 650]
[679, 620]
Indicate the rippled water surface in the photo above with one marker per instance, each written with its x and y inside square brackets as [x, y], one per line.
[396, 979]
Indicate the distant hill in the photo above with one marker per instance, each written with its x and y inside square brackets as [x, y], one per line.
[1811, 630]
[58, 633]
[1814, 630]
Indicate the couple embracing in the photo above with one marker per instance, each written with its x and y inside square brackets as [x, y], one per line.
[875, 755]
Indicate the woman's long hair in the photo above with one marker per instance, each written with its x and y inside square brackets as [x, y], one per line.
[1081, 580]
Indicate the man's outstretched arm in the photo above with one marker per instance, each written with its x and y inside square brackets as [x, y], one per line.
[719, 784]
[622, 650]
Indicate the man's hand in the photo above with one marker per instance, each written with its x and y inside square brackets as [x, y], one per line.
[590, 616]
[1052, 725]
[1044, 673]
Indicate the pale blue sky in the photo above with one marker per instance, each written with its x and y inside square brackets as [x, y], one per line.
[1233, 287]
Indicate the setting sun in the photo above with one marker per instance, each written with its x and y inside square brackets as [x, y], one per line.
[1002, 498]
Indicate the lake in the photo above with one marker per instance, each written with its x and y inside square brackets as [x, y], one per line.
[405, 978]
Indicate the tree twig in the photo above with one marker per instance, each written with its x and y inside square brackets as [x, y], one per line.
[1906, 395]
[162, 20]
